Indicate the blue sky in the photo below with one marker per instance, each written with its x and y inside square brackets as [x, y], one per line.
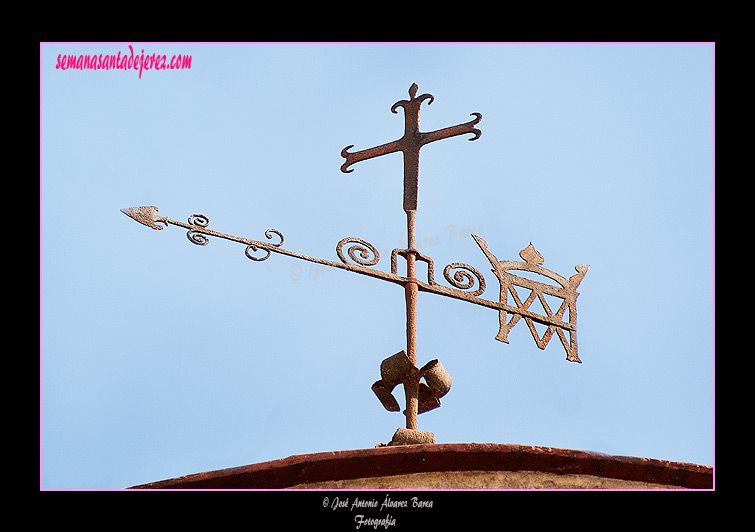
[159, 358]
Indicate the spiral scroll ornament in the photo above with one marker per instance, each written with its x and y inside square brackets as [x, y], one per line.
[196, 236]
[255, 247]
[464, 277]
[368, 254]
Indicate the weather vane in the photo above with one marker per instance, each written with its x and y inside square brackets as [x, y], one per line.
[423, 386]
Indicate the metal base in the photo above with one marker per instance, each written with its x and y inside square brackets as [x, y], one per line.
[411, 437]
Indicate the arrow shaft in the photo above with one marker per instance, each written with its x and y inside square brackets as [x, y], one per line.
[270, 247]
[411, 255]
[410, 279]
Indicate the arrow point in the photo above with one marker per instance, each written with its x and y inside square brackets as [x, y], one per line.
[144, 215]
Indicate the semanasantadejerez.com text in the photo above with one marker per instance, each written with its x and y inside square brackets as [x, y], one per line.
[125, 61]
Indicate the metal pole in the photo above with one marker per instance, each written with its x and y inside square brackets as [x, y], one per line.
[411, 385]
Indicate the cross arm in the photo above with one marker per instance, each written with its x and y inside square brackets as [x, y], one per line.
[355, 157]
[453, 131]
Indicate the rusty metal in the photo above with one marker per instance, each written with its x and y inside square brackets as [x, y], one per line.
[409, 436]
[566, 291]
[410, 144]
[400, 369]
[437, 378]
[466, 282]
[396, 368]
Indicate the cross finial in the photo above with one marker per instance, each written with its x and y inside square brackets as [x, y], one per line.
[411, 143]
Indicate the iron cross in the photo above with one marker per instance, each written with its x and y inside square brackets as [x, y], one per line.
[410, 143]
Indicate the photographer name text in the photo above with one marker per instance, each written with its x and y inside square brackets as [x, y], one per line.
[387, 504]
